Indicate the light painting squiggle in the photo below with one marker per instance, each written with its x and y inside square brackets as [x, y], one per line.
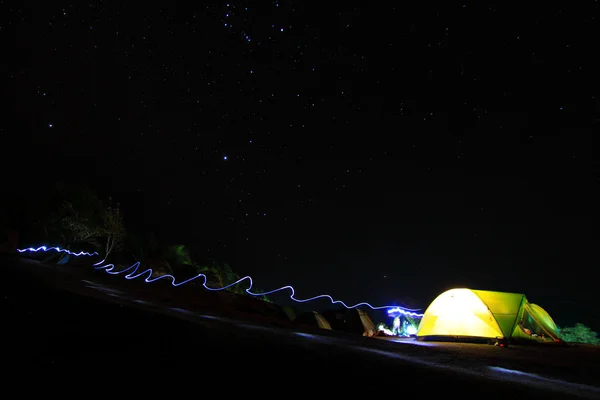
[132, 273]
[58, 250]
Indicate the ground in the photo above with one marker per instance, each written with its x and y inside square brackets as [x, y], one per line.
[75, 320]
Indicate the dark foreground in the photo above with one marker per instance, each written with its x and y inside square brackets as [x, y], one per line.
[56, 321]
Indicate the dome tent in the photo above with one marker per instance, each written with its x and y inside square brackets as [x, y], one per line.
[485, 315]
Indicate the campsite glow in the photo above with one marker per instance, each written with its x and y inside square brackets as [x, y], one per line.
[399, 310]
[385, 330]
[132, 273]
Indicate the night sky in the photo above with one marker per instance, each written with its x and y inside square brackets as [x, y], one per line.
[373, 152]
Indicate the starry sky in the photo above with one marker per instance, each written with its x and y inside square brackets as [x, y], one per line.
[374, 152]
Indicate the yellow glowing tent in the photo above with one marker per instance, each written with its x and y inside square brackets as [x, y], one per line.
[482, 314]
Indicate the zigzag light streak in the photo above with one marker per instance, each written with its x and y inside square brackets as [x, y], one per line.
[134, 274]
[58, 250]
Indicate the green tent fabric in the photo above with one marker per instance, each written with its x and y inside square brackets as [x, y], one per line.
[504, 307]
[535, 320]
[483, 314]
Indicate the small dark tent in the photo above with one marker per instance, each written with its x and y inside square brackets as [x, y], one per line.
[353, 320]
[291, 312]
[314, 319]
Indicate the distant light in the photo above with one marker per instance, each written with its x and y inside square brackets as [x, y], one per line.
[281, 29]
[132, 273]
[224, 157]
[50, 125]
[381, 327]
[397, 310]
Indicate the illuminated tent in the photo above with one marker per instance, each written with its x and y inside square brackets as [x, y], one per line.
[482, 314]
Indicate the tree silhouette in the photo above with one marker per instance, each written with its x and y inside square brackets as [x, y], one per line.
[112, 229]
[579, 334]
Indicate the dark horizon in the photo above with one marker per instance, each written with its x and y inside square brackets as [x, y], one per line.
[373, 154]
